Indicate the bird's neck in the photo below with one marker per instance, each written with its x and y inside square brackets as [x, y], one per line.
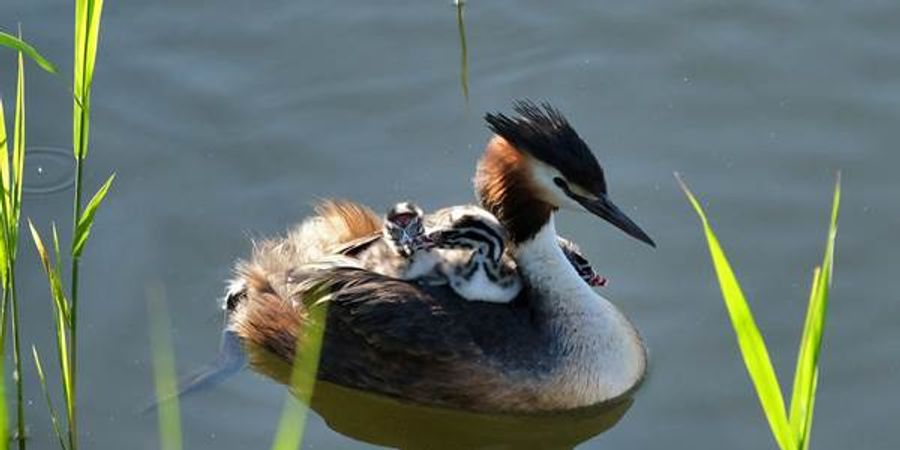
[543, 264]
[604, 355]
[505, 186]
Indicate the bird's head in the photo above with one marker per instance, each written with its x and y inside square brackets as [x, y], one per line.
[535, 164]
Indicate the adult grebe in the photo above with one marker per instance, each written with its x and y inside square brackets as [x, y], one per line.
[557, 346]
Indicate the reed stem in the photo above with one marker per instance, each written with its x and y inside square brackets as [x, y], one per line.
[73, 325]
[17, 361]
[3, 305]
[463, 51]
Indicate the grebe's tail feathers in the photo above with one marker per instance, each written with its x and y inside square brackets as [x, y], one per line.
[335, 223]
[347, 220]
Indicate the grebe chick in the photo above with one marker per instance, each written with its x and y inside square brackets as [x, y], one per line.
[580, 262]
[463, 246]
[401, 249]
[483, 271]
[404, 229]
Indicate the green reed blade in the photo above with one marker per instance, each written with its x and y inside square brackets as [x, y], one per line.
[463, 50]
[56, 244]
[83, 229]
[54, 418]
[4, 153]
[5, 206]
[18, 158]
[56, 285]
[812, 407]
[52, 271]
[807, 356]
[61, 321]
[751, 343]
[292, 424]
[8, 40]
[4, 418]
[806, 372]
[168, 413]
[87, 33]
[14, 200]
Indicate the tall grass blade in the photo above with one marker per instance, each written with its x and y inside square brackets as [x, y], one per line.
[292, 424]
[463, 50]
[54, 418]
[4, 417]
[807, 355]
[8, 40]
[83, 228]
[52, 271]
[18, 159]
[5, 208]
[4, 151]
[13, 198]
[61, 319]
[751, 343]
[87, 33]
[806, 372]
[56, 247]
[809, 411]
[168, 413]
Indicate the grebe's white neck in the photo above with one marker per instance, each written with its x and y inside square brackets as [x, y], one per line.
[602, 355]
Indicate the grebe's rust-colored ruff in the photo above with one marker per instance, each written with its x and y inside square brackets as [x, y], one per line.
[557, 346]
[506, 187]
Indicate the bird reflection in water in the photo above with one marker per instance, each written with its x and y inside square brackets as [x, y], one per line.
[387, 422]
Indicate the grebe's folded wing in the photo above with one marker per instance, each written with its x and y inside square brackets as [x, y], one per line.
[358, 245]
[390, 336]
[391, 315]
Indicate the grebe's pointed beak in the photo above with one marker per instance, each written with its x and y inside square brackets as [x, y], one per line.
[606, 209]
[602, 206]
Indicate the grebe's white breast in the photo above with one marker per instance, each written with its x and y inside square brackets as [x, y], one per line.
[602, 355]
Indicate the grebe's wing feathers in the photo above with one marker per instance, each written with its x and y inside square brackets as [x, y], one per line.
[391, 314]
[392, 336]
[389, 336]
[358, 245]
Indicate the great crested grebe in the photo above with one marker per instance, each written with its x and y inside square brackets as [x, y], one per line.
[558, 346]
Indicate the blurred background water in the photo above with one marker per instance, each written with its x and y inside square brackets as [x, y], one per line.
[224, 120]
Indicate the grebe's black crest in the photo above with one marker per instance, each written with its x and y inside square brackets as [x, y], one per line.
[543, 132]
